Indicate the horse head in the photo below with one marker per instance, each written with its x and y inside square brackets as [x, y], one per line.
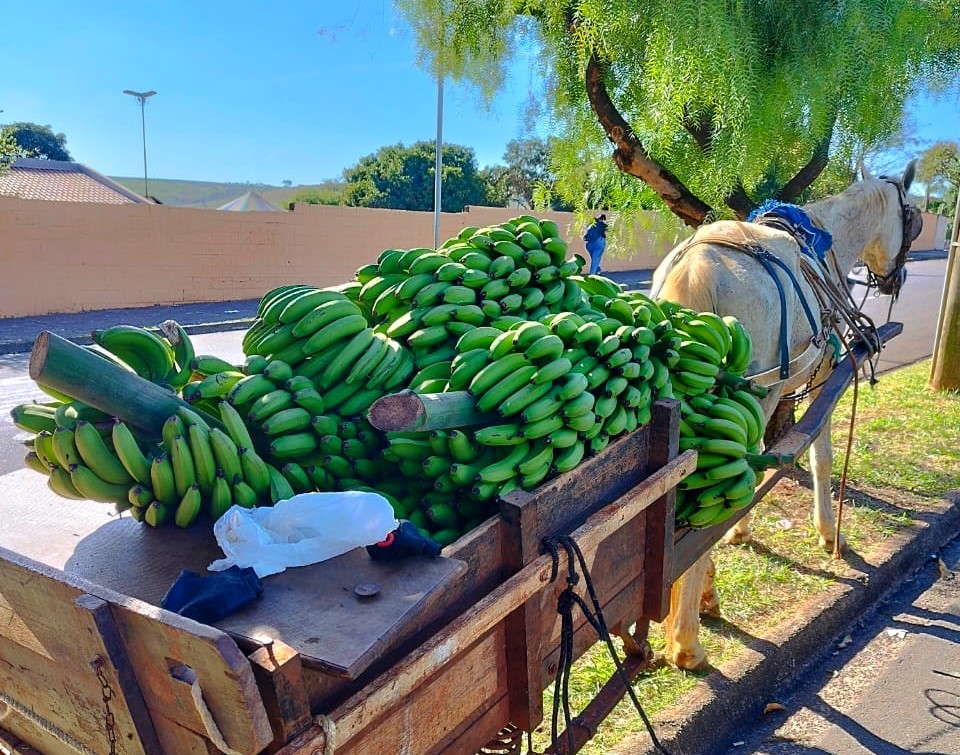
[887, 259]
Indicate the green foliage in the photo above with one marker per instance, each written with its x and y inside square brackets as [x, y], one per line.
[526, 179]
[760, 83]
[34, 140]
[329, 195]
[941, 161]
[401, 178]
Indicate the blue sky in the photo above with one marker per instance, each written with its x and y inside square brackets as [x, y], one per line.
[255, 91]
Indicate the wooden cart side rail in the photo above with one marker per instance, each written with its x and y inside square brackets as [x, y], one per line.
[367, 706]
[173, 660]
[691, 544]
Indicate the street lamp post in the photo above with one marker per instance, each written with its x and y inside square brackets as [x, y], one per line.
[142, 98]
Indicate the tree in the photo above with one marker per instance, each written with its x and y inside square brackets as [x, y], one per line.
[329, 193]
[526, 179]
[940, 165]
[714, 105]
[401, 178]
[34, 140]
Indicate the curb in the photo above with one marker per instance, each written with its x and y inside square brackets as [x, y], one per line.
[732, 697]
[21, 347]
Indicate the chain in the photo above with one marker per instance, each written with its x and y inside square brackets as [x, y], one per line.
[106, 692]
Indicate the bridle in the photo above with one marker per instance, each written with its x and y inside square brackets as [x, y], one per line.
[892, 282]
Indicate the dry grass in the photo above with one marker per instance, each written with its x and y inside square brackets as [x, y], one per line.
[905, 457]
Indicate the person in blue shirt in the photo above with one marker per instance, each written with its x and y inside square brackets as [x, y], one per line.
[595, 240]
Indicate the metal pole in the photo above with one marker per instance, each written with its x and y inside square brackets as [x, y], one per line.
[438, 164]
[143, 128]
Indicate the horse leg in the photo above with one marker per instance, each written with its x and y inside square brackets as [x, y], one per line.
[821, 466]
[682, 625]
[739, 532]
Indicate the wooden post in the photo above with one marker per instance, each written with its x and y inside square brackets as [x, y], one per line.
[945, 367]
[62, 365]
[413, 411]
[279, 674]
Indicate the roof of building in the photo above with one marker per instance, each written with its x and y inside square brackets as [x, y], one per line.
[251, 201]
[61, 181]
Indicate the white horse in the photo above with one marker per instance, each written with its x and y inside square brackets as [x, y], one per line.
[720, 270]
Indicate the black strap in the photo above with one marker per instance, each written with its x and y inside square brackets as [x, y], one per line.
[565, 603]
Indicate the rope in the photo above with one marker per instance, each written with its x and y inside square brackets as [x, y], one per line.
[565, 603]
[41, 723]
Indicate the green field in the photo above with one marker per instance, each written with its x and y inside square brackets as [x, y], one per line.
[211, 194]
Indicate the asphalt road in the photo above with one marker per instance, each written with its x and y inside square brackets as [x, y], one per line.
[917, 309]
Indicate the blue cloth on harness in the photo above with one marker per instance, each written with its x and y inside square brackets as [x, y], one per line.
[813, 238]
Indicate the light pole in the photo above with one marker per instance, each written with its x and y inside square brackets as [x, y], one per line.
[142, 97]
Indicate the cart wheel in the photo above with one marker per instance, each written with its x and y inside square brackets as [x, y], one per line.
[509, 741]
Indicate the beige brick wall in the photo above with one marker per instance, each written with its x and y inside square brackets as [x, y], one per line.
[69, 257]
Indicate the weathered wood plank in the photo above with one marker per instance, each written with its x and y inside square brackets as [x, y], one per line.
[374, 701]
[51, 651]
[279, 675]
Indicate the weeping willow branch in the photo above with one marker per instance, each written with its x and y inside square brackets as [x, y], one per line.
[631, 157]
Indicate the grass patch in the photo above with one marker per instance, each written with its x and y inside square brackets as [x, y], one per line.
[905, 457]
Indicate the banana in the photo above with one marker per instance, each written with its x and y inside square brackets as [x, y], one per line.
[323, 315]
[61, 483]
[209, 364]
[382, 370]
[129, 452]
[706, 517]
[509, 434]
[700, 351]
[359, 402]
[280, 488]
[750, 403]
[545, 349]
[706, 332]
[465, 367]
[63, 445]
[424, 338]
[576, 406]
[34, 418]
[221, 498]
[250, 389]
[439, 314]
[201, 453]
[296, 475]
[140, 345]
[495, 372]
[269, 404]
[350, 353]
[504, 388]
[299, 306]
[583, 423]
[292, 419]
[461, 447]
[243, 494]
[311, 400]
[254, 471]
[562, 438]
[732, 468]
[183, 353]
[543, 427]
[158, 514]
[744, 484]
[542, 407]
[162, 479]
[234, 425]
[181, 458]
[293, 445]
[432, 294]
[189, 508]
[730, 448]
[407, 323]
[275, 340]
[741, 349]
[401, 373]
[335, 332]
[275, 299]
[507, 467]
[570, 457]
[523, 397]
[225, 453]
[43, 447]
[219, 384]
[573, 385]
[100, 458]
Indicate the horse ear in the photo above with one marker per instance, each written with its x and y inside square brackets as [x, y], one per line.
[864, 173]
[908, 174]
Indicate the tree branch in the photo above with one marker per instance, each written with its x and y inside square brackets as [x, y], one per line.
[809, 172]
[631, 157]
[739, 201]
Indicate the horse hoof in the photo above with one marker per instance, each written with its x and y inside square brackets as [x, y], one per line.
[710, 608]
[689, 660]
[827, 544]
[736, 537]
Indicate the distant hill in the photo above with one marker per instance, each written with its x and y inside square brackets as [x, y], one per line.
[211, 195]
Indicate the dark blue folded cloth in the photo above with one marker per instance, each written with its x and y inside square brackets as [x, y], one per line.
[813, 238]
[206, 598]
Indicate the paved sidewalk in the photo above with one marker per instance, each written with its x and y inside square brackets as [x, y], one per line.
[17, 334]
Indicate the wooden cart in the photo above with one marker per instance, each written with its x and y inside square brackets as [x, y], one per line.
[446, 654]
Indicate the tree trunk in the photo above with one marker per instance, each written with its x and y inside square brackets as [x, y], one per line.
[945, 367]
[631, 157]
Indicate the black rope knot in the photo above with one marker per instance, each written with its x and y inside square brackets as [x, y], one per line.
[567, 599]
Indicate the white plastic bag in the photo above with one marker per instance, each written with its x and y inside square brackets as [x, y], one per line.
[305, 529]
